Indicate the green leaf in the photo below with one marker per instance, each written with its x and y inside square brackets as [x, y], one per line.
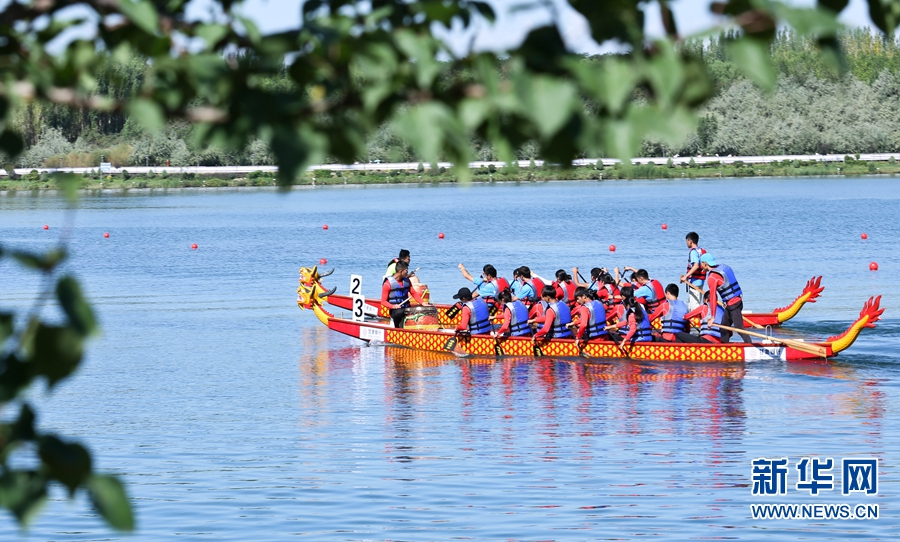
[109, 498]
[76, 307]
[11, 143]
[148, 113]
[68, 183]
[885, 14]
[141, 13]
[752, 57]
[211, 33]
[6, 326]
[549, 102]
[22, 429]
[23, 493]
[836, 6]
[809, 21]
[15, 376]
[57, 352]
[42, 262]
[67, 462]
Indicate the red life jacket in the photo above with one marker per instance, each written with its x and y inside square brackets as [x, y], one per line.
[538, 286]
[700, 274]
[565, 292]
[502, 284]
[611, 291]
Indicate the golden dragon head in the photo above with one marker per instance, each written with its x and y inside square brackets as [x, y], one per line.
[311, 292]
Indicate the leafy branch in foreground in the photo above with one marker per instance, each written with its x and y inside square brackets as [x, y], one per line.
[30, 350]
[359, 65]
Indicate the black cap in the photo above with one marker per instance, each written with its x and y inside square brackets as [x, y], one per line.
[463, 294]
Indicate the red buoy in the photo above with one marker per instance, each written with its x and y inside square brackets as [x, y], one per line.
[612, 248]
[665, 226]
[322, 261]
[194, 246]
[864, 236]
[106, 235]
[873, 266]
[46, 227]
[441, 235]
[325, 226]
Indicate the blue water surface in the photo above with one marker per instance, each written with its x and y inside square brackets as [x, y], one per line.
[233, 415]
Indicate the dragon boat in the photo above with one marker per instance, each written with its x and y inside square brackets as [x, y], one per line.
[448, 315]
[435, 336]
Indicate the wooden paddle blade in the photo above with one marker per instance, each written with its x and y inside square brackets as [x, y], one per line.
[538, 351]
[453, 311]
[498, 350]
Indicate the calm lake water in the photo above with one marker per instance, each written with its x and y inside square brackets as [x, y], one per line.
[233, 415]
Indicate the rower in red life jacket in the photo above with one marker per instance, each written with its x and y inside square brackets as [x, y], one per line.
[488, 286]
[649, 292]
[723, 285]
[515, 317]
[672, 311]
[527, 291]
[608, 293]
[395, 293]
[617, 316]
[557, 317]
[695, 276]
[565, 288]
[708, 333]
[591, 316]
[474, 318]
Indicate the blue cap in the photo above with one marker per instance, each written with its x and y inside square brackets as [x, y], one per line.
[708, 260]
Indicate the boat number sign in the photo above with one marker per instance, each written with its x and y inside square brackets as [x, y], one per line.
[359, 301]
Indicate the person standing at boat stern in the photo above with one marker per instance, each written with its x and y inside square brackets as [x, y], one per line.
[695, 276]
[723, 285]
[396, 291]
[475, 317]
[392, 265]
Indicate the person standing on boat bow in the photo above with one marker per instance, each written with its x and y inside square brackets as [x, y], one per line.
[396, 291]
[723, 285]
[475, 317]
[695, 276]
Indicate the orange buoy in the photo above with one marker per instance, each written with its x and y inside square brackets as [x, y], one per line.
[441, 235]
[665, 226]
[612, 248]
[322, 261]
[106, 235]
[864, 236]
[194, 246]
[873, 266]
[46, 227]
[325, 226]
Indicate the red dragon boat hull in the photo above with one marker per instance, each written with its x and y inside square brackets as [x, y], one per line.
[311, 294]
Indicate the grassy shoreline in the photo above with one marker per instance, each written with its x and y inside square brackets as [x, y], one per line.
[851, 168]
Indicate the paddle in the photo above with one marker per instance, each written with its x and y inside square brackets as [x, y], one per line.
[820, 351]
[752, 323]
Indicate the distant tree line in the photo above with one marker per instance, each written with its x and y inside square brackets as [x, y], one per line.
[821, 105]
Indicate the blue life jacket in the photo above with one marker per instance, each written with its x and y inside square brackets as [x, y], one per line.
[644, 332]
[399, 293]
[705, 328]
[674, 320]
[479, 317]
[596, 326]
[518, 319]
[730, 288]
[562, 316]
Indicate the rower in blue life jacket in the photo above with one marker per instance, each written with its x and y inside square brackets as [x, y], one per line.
[673, 320]
[557, 317]
[474, 317]
[591, 316]
[515, 317]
